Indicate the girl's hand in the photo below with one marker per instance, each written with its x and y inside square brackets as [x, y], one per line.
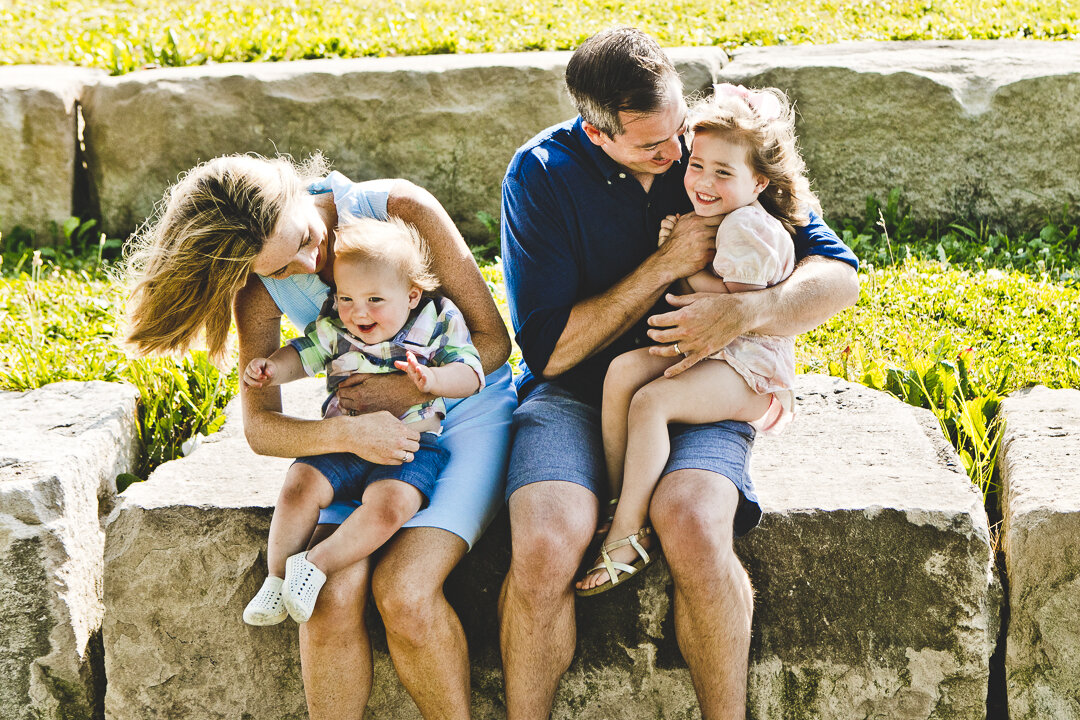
[421, 375]
[666, 226]
[259, 372]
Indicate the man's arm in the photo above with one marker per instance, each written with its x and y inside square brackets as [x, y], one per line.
[704, 323]
[596, 322]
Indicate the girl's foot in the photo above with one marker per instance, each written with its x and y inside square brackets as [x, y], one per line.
[303, 581]
[619, 561]
[266, 608]
[604, 526]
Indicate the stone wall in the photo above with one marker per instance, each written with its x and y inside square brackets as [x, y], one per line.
[875, 595]
[1040, 454]
[61, 448]
[962, 128]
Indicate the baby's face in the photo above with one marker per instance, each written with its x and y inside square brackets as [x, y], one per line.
[373, 300]
[719, 178]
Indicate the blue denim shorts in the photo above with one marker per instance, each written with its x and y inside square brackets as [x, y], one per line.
[557, 437]
[350, 474]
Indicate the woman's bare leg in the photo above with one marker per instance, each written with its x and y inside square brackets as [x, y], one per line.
[335, 652]
[710, 391]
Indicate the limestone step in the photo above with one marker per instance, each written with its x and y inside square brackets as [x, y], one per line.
[875, 595]
[1038, 461]
[61, 448]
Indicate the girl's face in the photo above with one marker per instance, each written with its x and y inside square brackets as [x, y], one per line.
[719, 178]
[299, 243]
[373, 300]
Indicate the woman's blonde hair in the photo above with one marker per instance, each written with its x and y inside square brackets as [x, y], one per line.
[186, 264]
[388, 243]
[763, 121]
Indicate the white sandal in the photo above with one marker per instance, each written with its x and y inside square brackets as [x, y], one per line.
[615, 568]
[266, 608]
[303, 581]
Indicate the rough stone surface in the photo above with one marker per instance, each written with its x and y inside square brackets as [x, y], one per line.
[61, 448]
[964, 129]
[449, 123]
[1038, 462]
[38, 135]
[872, 573]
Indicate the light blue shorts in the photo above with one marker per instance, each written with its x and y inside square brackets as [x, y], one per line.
[469, 491]
[557, 437]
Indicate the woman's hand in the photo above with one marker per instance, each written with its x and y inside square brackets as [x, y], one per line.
[367, 393]
[378, 437]
[701, 325]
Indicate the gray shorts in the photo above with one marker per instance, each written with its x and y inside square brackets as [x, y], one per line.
[557, 437]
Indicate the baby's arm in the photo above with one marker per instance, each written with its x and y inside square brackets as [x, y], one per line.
[453, 380]
[281, 367]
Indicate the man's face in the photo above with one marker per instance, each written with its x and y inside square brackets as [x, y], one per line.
[649, 144]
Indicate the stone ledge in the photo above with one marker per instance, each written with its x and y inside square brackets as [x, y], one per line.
[1040, 453]
[942, 121]
[872, 569]
[61, 448]
[38, 134]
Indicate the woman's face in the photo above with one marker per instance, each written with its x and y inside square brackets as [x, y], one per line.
[299, 242]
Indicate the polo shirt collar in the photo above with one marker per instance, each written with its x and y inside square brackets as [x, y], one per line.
[610, 169]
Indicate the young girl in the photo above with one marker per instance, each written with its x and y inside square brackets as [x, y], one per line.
[745, 168]
[378, 320]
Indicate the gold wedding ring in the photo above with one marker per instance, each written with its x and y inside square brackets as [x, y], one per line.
[677, 350]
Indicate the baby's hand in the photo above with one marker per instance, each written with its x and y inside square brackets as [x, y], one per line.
[258, 372]
[666, 226]
[421, 375]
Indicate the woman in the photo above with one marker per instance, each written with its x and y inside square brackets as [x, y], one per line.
[257, 234]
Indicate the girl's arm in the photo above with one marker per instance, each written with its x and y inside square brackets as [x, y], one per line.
[378, 437]
[282, 367]
[453, 264]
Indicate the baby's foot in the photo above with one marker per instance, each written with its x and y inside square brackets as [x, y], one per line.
[627, 557]
[266, 608]
[303, 581]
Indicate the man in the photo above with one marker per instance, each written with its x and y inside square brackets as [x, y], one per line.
[582, 204]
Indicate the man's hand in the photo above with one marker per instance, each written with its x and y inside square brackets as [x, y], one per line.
[366, 393]
[690, 245]
[702, 325]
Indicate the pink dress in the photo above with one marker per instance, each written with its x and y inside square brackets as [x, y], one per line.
[753, 247]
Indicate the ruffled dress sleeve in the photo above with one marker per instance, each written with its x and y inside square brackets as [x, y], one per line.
[753, 247]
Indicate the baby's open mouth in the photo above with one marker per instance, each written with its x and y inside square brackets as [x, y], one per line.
[366, 328]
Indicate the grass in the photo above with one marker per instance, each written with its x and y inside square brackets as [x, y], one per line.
[125, 35]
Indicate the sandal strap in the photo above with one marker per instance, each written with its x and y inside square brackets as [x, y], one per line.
[612, 565]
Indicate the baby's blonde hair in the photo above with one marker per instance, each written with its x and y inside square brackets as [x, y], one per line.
[772, 151]
[388, 243]
[186, 264]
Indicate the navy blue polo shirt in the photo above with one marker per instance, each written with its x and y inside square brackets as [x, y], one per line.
[574, 223]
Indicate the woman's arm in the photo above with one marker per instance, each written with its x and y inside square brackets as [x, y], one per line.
[379, 437]
[461, 281]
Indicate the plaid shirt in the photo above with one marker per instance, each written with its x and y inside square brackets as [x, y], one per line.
[435, 332]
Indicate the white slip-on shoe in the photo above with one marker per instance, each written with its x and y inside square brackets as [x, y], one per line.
[266, 608]
[303, 581]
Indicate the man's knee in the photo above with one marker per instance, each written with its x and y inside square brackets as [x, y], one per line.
[548, 540]
[693, 511]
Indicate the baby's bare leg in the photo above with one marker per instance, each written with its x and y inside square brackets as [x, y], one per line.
[387, 505]
[625, 376]
[306, 491]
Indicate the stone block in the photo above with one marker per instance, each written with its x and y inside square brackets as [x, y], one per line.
[872, 569]
[1038, 461]
[38, 131]
[61, 448]
[963, 129]
[449, 123]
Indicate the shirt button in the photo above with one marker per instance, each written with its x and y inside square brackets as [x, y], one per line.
[622, 176]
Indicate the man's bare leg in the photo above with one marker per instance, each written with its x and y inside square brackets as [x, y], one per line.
[334, 644]
[424, 634]
[693, 513]
[551, 523]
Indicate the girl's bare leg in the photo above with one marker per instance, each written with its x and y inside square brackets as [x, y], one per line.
[710, 391]
[387, 505]
[306, 491]
[627, 374]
